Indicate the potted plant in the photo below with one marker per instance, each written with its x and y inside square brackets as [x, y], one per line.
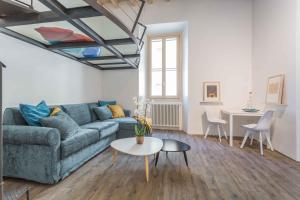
[144, 124]
[140, 132]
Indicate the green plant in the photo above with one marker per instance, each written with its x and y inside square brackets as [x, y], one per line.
[140, 129]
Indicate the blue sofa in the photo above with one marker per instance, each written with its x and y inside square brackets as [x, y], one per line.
[39, 154]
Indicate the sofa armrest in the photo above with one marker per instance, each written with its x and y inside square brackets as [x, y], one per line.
[15, 134]
[127, 113]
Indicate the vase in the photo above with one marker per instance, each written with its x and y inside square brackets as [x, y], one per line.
[139, 139]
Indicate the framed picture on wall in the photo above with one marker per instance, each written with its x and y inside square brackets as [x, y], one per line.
[211, 92]
[275, 89]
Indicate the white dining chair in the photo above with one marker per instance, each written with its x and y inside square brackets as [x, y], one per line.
[214, 121]
[262, 128]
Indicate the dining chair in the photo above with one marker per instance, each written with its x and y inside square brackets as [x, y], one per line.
[214, 120]
[262, 128]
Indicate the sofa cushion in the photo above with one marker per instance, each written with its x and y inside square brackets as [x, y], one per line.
[33, 114]
[103, 113]
[126, 123]
[79, 112]
[117, 111]
[106, 103]
[12, 116]
[63, 122]
[82, 139]
[93, 114]
[102, 127]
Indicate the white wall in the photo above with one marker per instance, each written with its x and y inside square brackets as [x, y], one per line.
[34, 74]
[120, 85]
[219, 46]
[274, 52]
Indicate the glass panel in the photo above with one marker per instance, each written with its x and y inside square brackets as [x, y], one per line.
[171, 53]
[156, 54]
[127, 49]
[171, 82]
[105, 61]
[110, 66]
[73, 3]
[156, 62]
[171, 67]
[106, 52]
[156, 83]
[89, 52]
[105, 28]
[52, 32]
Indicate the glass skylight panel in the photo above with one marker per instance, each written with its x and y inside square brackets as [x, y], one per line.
[52, 32]
[73, 3]
[114, 66]
[99, 62]
[85, 52]
[127, 49]
[105, 28]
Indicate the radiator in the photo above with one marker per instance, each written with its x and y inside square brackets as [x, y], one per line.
[166, 115]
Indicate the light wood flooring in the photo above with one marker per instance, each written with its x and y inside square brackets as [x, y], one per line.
[216, 171]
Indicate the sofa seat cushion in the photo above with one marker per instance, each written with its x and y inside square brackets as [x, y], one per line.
[105, 128]
[125, 123]
[83, 139]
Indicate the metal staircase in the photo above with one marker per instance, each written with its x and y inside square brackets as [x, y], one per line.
[82, 30]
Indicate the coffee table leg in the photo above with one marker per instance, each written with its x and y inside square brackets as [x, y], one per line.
[185, 158]
[156, 160]
[114, 156]
[147, 168]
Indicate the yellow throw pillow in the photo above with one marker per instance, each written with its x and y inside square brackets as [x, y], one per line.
[55, 111]
[117, 111]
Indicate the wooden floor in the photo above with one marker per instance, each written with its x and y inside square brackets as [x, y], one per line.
[216, 171]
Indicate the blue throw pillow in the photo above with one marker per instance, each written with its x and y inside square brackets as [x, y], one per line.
[63, 122]
[33, 114]
[106, 103]
[103, 113]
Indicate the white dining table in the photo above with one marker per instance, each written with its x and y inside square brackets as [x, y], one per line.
[238, 112]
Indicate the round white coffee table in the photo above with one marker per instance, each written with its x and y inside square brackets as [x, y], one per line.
[129, 146]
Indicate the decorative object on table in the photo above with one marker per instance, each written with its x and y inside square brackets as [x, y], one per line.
[262, 128]
[170, 145]
[250, 105]
[214, 121]
[211, 92]
[250, 101]
[144, 125]
[275, 90]
[250, 110]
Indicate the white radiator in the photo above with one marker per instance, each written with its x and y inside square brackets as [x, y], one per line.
[166, 115]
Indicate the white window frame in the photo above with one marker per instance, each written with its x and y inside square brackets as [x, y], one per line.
[179, 66]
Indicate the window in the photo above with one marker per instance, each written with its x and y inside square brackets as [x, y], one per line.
[164, 66]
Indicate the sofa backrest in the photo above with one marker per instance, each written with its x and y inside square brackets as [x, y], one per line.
[12, 116]
[79, 112]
